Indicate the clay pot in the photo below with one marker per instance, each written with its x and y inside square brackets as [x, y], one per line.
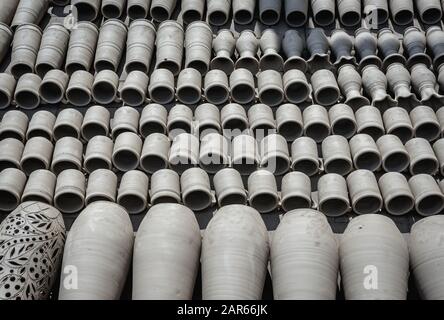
[216, 87]
[155, 152]
[295, 191]
[342, 45]
[300, 269]
[317, 45]
[369, 121]
[133, 191]
[366, 45]
[323, 12]
[274, 153]
[161, 87]
[289, 121]
[180, 120]
[247, 46]
[12, 150]
[293, 44]
[98, 154]
[429, 11]
[242, 86]
[296, 87]
[68, 154]
[364, 192]
[387, 254]
[139, 44]
[36, 155]
[12, 184]
[349, 12]
[29, 11]
[394, 155]
[198, 42]
[245, 154]
[32, 274]
[304, 156]
[153, 119]
[375, 84]
[261, 120]
[167, 246]
[52, 50]
[422, 157]
[82, 42]
[165, 187]
[196, 189]
[425, 123]
[377, 10]
[162, 10]
[350, 82]
[169, 45]
[336, 155]
[7, 88]
[243, 11]
[424, 83]
[245, 255]
[218, 11]
[270, 11]
[262, 190]
[342, 120]
[69, 196]
[435, 43]
[113, 9]
[5, 39]
[395, 190]
[316, 122]
[126, 152]
[138, 9]
[105, 86]
[325, 88]
[223, 46]
[8, 11]
[234, 119]
[399, 81]
[414, 43]
[296, 13]
[189, 86]
[135, 88]
[184, 152]
[229, 187]
[397, 122]
[438, 148]
[389, 46]
[425, 254]
[365, 152]
[402, 11]
[333, 195]
[126, 119]
[270, 44]
[99, 246]
[14, 125]
[87, 9]
[79, 91]
[102, 186]
[270, 87]
[95, 122]
[429, 199]
[41, 125]
[214, 150]
[27, 91]
[40, 187]
[68, 124]
[192, 10]
[53, 86]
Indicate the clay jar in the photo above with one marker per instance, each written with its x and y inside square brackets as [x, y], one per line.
[234, 254]
[166, 254]
[99, 245]
[300, 269]
[31, 275]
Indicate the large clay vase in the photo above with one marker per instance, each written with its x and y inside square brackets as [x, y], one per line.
[31, 245]
[234, 257]
[166, 254]
[97, 254]
[304, 257]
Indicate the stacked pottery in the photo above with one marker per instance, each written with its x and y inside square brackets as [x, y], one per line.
[234, 255]
[166, 254]
[98, 253]
[374, 259]
[427, 255]
[32, 239]
[304, 257]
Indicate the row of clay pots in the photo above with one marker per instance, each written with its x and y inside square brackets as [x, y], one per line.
[306, 258]
[240, 87]
[371, 257]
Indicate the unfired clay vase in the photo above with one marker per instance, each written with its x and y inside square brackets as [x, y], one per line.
[98, 248]
[32, 238]
[426, 254]
[374, 259]
[234, 255]
[166, 254]
[304, 257]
